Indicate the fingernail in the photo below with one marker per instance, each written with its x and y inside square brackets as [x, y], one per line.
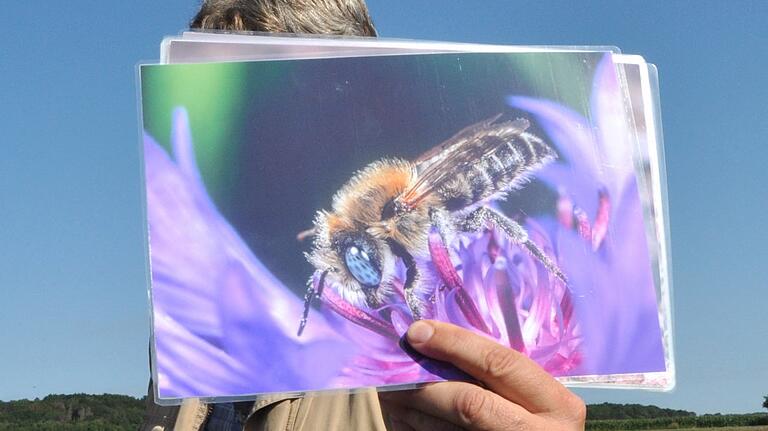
[420, 332]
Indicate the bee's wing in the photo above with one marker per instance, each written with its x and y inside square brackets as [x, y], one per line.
[459, 153]
[459, 138]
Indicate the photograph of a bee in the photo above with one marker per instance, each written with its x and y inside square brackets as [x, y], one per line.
[386, 212]
[301, 214]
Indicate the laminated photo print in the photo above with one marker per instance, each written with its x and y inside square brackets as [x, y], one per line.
[301, 214]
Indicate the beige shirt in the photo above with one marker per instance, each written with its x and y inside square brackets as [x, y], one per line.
[336, 411]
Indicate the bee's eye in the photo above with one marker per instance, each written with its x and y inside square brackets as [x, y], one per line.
[361, 267]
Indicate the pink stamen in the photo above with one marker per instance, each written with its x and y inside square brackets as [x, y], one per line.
[565, 210]
[493, 248]
[507, 303]
[602, 218]
[566, 305]
[356, 315]
[582, 224]
[442, 261]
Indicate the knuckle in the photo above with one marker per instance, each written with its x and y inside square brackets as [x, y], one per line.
[578, 410]
[574, 409]
[498, 363]
[472, 406]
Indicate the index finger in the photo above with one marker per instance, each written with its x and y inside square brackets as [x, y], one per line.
[503, 370]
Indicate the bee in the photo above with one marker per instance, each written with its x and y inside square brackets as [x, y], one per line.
[384, 214]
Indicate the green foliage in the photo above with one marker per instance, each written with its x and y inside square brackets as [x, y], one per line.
[765, 401]
[77, 412]
[704, 421]
[82, 412]
[609, 416]
[631, 411]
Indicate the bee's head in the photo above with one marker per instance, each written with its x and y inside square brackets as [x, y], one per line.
[359, 263]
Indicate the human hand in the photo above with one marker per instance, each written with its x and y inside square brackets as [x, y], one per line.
[518, 394]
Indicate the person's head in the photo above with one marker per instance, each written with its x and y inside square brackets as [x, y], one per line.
[338, 17]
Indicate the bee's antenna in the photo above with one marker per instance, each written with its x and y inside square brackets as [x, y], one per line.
[308, 297]
[301, 236]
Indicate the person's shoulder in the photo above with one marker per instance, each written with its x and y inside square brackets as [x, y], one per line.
[337, 411]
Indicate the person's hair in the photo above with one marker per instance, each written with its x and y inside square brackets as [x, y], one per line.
[339, 17]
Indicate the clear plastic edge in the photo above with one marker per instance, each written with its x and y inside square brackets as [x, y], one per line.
[343, 42]
[254, 36]
[165, 47]
[146, 234]
[660, 181]
[295, 394]
[658, 222]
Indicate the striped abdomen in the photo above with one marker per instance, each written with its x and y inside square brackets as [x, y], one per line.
[503, 162]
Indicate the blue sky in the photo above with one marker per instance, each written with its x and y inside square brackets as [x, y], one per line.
[74, 303]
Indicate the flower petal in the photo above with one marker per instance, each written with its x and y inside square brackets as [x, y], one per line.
[576, 141]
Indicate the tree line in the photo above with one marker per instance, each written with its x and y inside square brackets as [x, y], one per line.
[79, 412]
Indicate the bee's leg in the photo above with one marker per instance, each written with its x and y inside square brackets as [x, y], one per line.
[438, 241]
[441, 259]
[308, 297]
[479, 218]
[411, 278]
[441, 221]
